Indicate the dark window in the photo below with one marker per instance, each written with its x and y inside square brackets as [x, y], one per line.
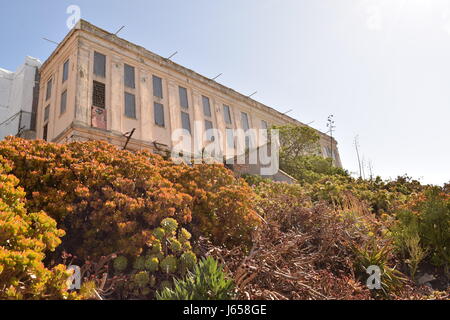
[65, 71]
[46, 113]
[45, 133]
[63, 102]
[185, 121]
[98, 95]
[209, 130]
[157, 87]
[99, 64]
[129, 76]
[183, 98]
[247, 142]
[245, 123]
[49, 89]
[130, 105]
[159, 114]
[206, 106]
[264, 125]
[227, 114]
[230, 138]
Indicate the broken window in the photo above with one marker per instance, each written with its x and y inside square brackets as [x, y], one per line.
[98, 95]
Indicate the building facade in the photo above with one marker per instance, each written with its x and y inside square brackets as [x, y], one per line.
[18, 99]
[96, 85]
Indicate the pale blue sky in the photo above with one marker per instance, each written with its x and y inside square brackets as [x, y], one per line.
[381, 67]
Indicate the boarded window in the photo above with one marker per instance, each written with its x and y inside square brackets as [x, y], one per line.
[206, 106]
[130, 105]
[183, 98]
[99, 64]
[63, 102]
[227, 114]
[157, 87]
[159, 114]
[45, 133]
[46, 113]
[65, 71]
[209, 130]
[185, 121]
[49, 90]
[129, 76]
[98, 95]
[230, 138]
[245, 122]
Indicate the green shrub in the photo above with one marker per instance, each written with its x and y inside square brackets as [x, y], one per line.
[206, 282]
[373, 253]
[434, 226]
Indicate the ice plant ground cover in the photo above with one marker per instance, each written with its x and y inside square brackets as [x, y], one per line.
[135, 222]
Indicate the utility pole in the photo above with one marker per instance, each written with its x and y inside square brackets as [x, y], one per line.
[331, 127]
[357, 154]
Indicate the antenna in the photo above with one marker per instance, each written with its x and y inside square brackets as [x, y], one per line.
[120, 29]
[290, 110]
[252, 94]
[54, 42]
[217, 76]
[173, 54]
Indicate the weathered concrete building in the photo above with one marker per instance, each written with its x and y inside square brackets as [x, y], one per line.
[18, 97]
[96, 85]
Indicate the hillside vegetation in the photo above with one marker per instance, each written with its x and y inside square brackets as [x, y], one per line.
[142, 227]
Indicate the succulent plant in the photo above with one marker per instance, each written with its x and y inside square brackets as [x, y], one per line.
[169, 225]
[156, 246]
[175, 245]
[151, 263]
[186, 246]
[169, 264]
[141, 279]
[159, 233]
[184, 235]
[120, 263]
[188, 260]
[139, 263]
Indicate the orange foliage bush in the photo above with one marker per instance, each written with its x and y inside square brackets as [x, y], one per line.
[108, 200]
[222, 205]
